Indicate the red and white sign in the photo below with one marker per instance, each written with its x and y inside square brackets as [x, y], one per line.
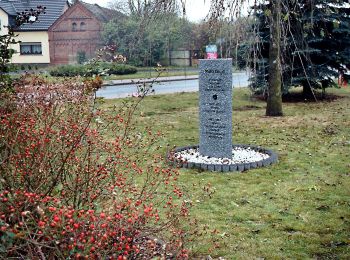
[212, 52]
[212, 55]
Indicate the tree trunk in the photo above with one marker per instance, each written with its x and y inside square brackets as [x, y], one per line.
[274, 99]
[308, 93]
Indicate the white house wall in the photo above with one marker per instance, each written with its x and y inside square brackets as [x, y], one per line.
[4, 21]
[32, 37]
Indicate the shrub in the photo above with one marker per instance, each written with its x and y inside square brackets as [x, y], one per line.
[87, 70]
[121, 69]
[58, 231]
[78, 181]
[68, 71]
[13, 68]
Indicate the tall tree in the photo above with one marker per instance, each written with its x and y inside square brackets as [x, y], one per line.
[142, 14]
[274, 98]
[145, 44]
[315, 46]
[219, 9]
[145, 8]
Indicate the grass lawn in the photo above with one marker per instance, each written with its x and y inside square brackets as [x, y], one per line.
[296, 209]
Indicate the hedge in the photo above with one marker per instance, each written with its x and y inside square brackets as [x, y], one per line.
[84, 70]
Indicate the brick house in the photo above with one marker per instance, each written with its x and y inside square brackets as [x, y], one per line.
[78, 32]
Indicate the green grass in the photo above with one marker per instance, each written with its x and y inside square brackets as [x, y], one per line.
[296, 209]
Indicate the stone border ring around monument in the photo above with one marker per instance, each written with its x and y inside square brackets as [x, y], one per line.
[244, 157]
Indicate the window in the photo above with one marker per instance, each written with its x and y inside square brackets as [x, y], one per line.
[82, 26]
[74, 26]
[30, 48]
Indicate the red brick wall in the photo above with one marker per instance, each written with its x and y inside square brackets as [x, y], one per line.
[65, 42]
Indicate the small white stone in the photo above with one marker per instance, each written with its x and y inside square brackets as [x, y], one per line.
[239, 155]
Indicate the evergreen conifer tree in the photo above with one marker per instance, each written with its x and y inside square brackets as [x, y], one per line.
[315, 45]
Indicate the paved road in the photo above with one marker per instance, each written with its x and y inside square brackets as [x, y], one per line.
[148, 80]
[174, 85]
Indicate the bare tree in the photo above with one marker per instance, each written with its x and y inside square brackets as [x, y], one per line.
[120, 5]
[147, 8]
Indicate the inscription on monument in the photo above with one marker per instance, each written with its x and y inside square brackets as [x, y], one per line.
[215, 108]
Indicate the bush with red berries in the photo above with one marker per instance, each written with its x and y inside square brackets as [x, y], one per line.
[78, 181]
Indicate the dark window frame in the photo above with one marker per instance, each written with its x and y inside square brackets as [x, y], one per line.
[82, 26]
[31, 44]
[74, 27]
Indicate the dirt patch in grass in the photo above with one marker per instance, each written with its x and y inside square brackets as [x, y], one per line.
[245, 108]
[298, 97]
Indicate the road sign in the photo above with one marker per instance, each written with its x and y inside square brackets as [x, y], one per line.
[212, 51]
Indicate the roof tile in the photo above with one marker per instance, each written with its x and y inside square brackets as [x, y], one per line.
[54, 9]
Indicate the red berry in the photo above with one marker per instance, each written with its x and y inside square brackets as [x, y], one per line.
[41, 223]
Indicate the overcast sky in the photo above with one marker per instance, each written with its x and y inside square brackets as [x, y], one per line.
[196, 10]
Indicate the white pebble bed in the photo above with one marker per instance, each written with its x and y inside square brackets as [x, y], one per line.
[239, 155]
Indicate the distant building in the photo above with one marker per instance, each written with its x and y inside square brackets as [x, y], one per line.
[78, 32]
[183, 57]
[34, 46]
[60, 35]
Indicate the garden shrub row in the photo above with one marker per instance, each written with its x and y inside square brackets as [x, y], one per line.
[86, 70]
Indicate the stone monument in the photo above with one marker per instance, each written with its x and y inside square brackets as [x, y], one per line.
[215, 108]
[215, 151]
